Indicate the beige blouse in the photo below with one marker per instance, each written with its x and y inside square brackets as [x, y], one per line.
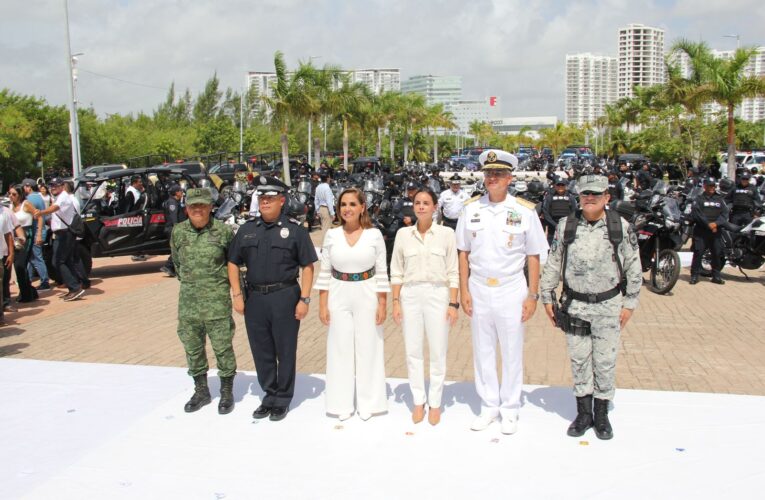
[433, 259]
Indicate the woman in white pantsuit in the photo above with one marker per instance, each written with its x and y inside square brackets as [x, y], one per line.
[425, 278]
[353, 286]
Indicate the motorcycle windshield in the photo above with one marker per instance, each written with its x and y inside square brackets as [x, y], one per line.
[671, 209]
[304, 187]
[369, 185]
[660, 188]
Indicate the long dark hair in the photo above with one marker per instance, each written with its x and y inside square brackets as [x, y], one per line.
[20, 190]
[364, 220]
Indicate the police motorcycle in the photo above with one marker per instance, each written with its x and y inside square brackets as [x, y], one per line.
[233, 205]
[304, 192]
[658, 223]
[743, 247]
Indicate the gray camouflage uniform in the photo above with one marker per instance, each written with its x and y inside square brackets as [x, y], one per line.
[591, 269]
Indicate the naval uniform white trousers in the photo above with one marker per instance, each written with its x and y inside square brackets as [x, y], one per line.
[423, 307]
[355, 360]
[497, 318]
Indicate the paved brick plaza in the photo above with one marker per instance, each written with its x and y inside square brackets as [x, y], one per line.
[705, 338]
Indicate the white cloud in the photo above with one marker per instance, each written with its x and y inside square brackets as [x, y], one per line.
[510, 48]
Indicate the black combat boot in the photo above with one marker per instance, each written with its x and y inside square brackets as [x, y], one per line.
[603, 428]
[201, 395]
[583, 419]
[694, 279]
[226, 403]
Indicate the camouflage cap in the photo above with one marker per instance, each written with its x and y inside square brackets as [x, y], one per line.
[592, 184]
[198, 196]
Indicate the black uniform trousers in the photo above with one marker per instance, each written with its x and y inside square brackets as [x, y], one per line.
[273, 331]
[452, 223]
[704, 238]
[741, 218]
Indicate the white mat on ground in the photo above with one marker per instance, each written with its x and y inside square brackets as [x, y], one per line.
[75, 430]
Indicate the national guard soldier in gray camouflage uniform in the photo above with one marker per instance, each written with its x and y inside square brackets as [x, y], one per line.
[199, 248]
[600, 294]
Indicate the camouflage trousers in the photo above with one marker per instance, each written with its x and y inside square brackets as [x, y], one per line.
[193, 332]
[593, 358]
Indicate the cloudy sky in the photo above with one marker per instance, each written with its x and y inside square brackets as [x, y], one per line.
[514, 49]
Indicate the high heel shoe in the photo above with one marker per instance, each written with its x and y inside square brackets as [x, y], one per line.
[434, 416]
[418, 413]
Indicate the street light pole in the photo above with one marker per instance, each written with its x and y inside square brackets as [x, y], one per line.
[737, 37]
[241, 123]
[74, 126]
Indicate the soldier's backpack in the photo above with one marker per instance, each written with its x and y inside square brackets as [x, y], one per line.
[615, 236]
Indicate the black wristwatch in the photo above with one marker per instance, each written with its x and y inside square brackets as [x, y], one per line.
[455, 305]
[305, 300]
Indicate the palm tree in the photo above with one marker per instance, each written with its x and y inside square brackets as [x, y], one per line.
[390, 108]
[289, 97]
[319, 83]
[556, 137]
[343, 103]
[411, 116]
[724, 81]
[437, 118]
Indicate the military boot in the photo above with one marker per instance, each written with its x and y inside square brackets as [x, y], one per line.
[201, 395]
[226, 403]
[583, 419]
[603, 428]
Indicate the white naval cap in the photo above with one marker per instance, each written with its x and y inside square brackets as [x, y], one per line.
[497, 159]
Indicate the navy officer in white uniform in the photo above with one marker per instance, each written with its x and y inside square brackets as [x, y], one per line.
[497, 234]
[451, 202]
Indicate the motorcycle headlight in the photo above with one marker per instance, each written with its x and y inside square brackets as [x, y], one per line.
[671, 225]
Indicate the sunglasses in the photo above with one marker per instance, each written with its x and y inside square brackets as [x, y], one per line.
[590, 193]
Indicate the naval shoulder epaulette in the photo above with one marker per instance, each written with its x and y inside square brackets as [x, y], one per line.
[471, 200]
[526, 203]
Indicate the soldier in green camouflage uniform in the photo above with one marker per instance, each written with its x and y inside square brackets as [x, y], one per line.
[199, 248]
[591, 269]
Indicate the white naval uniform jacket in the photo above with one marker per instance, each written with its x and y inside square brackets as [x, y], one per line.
[499, 236]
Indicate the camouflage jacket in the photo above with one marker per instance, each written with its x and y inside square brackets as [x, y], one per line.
[591, 268]
[200, 258]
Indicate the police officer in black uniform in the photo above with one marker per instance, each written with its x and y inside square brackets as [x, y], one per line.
[274, 248]
[556, 205]
[744, 200]
[404, 210]
[710, 214]
[615, 188]
[174, 214]
[692, 180]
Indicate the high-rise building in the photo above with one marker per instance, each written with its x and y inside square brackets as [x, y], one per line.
[641, 58]
[262, 81]
[436, 89]
[378, 80]
[466, 112]
[591, 82]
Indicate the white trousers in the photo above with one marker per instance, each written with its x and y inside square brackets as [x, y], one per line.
[355, 360]
[423, 309]
[497, 318]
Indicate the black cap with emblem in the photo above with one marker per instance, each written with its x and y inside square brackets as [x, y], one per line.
[270, 186]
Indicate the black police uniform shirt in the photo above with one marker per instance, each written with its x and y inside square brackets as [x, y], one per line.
[707, 209]
[174, 213]
[272, 251]
[743, 199]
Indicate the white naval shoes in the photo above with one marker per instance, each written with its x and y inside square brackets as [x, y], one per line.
[482, 422]
[344, 416]
[365, 416]
[509, 425]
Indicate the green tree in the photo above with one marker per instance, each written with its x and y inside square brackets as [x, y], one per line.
[723, 81]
